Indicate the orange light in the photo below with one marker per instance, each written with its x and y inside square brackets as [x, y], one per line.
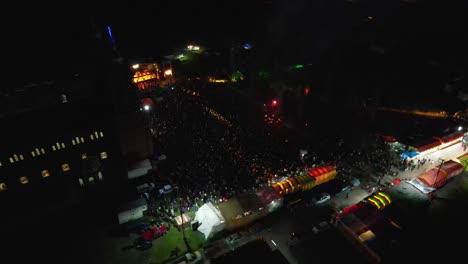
[45, 173]
[24, 180]
[65, 167]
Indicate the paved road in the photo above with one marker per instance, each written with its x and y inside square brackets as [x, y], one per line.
[343, 200]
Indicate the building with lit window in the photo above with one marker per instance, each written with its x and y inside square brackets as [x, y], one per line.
[56, 153]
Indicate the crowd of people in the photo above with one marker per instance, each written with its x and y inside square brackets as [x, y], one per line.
[211, 160]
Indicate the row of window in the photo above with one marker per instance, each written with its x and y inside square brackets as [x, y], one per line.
[55, 147]
[25, 180]
[65, 168]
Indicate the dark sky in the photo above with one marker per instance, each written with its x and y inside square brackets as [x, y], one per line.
[156, 27]
[41, 41]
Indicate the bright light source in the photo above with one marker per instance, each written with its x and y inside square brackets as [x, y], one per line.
[460, 128]
[135, 66]
[190, 47]
[196, 47]
[274, 103]
[180, 56]
[168, 72]
[247, 46]
[272, 241]
[146, 107]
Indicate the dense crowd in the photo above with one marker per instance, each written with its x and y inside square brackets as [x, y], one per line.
[212, 158]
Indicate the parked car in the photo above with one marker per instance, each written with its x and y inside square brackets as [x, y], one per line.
[321, 198]
[233, 238]
[142, 244]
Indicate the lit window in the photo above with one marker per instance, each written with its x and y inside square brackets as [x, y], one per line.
[100, 176]
[33, 154]
[53, 147]
[45, 173]
[91, 180]
[96, 134]
[11, 160]
[92, 137]
[37, 152]
[77, 140]
[81, 182]
[58, 145]
[63, 145]
[0, 163]
[101, 134]
[82, 139]
[103, 155]
[73, 142]
[65, 167]
[42, 150]
[21, 157]
[2, 187]
[84, 156]
[16, 157]
[24, 180]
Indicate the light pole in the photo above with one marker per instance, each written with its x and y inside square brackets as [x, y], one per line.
[182, 219]
[437, 175]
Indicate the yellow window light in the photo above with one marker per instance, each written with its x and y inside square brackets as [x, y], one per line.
[82, 139]
[53, 147]
[381, 200]
[103, 155]
[45, 173]
[65, 167]
[0, 163]
[375, 203]
[11, 160]
[96, 134]
[37, 152]
[63, 145]
[281, 185]
[73, 142]
[3, 187]
[92, 137]
[101, 134]
[24, 180]
[42, 150]
[16, 157]
[33, 154]
[84, 156]
[57, 145]
[21, 157]
[384, 195]
[290, 183]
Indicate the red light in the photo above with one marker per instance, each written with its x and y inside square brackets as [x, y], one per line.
[306, 91]
[274, 103]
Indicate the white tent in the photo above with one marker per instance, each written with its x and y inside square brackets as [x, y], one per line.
[210, 219]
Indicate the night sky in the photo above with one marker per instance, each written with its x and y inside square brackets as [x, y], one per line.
[37, 42]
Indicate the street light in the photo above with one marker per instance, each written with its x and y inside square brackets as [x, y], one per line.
[135, 66]
[460, 128]
[437, 175]
[146, 107]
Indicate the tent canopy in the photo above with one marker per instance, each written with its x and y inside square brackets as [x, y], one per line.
[210, 219]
